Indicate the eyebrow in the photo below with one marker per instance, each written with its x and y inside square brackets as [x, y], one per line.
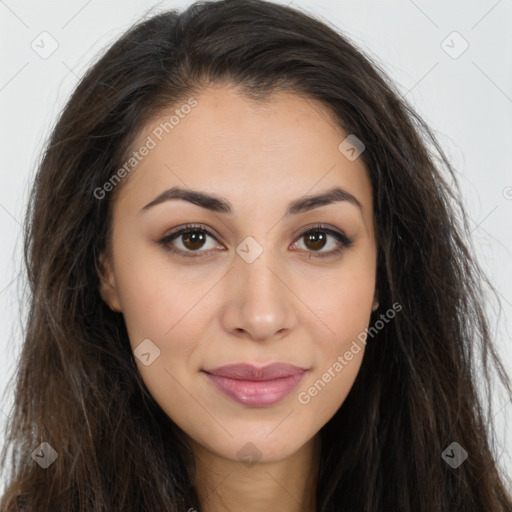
[219, 205]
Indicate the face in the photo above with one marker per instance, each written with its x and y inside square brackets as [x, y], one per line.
[220, 256]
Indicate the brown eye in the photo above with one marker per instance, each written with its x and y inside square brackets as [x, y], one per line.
[315, 240]
[193, 240]
[190, 241]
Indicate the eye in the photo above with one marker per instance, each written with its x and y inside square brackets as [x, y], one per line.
[316, 238]
[191, 241]
[192, 238]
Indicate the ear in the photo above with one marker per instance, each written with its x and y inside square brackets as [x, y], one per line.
[375, 300]
[108, 289]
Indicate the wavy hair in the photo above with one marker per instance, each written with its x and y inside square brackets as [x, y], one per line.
[418, 390]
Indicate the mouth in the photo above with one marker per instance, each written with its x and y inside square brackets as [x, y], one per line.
[256, 386]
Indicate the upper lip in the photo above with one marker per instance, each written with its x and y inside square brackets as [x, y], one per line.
[246, 371]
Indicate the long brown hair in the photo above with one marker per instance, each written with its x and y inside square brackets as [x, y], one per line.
[77, 387]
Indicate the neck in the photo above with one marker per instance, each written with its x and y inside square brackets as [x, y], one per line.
[287, 485]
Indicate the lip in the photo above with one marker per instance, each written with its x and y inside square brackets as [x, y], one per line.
[256, 386]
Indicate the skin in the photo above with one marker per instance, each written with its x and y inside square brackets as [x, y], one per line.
[289, 305]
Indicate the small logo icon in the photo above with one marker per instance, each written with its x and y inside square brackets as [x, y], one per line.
[44, 45]
[249, 249]
[249, 454]
[146, 352]
[351, 147]
[454, 455]
[454, 45]
[44, 455]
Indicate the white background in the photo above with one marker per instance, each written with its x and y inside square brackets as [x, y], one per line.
[466, 100]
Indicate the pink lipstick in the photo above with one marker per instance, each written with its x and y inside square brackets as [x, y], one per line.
[256, 386]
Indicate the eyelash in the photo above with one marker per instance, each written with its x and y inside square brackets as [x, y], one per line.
[343, 240]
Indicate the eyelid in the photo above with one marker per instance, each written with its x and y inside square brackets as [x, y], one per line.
[175, 233]
[343, 240]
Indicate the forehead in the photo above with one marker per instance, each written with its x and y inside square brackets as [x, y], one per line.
[284, 147]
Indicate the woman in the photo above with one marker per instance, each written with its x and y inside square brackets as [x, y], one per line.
[250, 286]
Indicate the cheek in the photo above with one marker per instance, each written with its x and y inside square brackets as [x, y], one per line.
[166, 312]
[344, 307]
[338, 359]
[342, 299]
[157, 299]
[165, 318]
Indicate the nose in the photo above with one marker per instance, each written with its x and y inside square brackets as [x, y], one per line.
[259, 302]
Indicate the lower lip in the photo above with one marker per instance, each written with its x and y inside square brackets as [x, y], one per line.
[256, 393]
